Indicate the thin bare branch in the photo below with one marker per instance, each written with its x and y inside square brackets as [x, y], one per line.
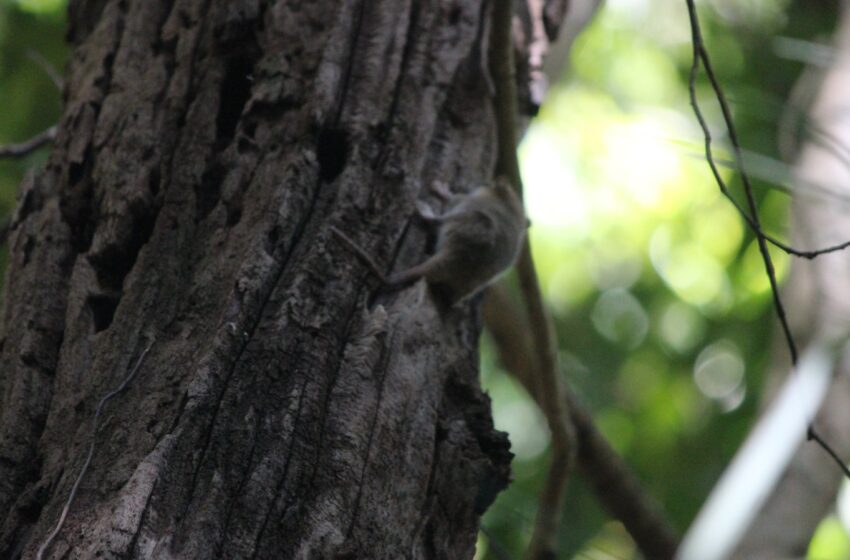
[813, 435]
[28, 146]
[48, 68]
[751, 217]
[700, 55]
[610, 478]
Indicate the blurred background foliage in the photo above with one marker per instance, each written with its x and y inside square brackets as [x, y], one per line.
[29, 100]
[662, 307]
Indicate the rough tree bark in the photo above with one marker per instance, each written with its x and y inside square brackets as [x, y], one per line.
[287, 407]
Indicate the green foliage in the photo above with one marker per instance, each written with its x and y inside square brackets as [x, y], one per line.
[54, 9]
[830, 541]
[662, 304]
[30, 102]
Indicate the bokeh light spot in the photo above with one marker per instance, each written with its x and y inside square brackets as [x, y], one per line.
[719, 371]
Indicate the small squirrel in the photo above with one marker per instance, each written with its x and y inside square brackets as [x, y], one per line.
[478, 238]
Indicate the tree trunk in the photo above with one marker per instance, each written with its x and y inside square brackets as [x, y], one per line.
[288, 406]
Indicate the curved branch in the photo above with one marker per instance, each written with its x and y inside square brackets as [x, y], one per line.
[23, 148]
[613, 482]
[546, 370]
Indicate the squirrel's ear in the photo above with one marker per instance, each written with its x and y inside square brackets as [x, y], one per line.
[527, 223]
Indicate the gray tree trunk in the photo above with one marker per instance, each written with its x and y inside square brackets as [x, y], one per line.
[288, 407]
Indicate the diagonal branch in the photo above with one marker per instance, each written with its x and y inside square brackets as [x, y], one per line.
[610, 478]
[751, 217]
[28, 146]
[47, 67]
[700, 55]
[24, 148]
[21, 150]
[546, 377]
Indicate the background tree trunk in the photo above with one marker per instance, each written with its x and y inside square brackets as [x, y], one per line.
[287, 407]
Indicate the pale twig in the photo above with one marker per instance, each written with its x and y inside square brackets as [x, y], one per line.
[23, 148]
[28, 146]
[48, 68]
[44, 546]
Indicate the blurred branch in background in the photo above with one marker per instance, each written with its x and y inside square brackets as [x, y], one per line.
[48, 135]
[750, 215]
[816, 293]
[701, 57]
[579, 15]
[612, 481]
[547, 375]
[48, 68]
[750, 477]
[28, 146]
[657, 287]
[23, 149]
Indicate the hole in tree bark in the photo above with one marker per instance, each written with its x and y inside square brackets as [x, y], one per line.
[208, 192]
[235, 91]
[153, 180]
[75, 172]
[272, 240]
[234, 212]
[102, 309]
[76, 204]
[332, 152]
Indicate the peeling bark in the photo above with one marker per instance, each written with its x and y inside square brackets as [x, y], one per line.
[289, 407]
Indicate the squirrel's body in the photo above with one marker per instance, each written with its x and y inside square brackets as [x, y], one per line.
[478, 237]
